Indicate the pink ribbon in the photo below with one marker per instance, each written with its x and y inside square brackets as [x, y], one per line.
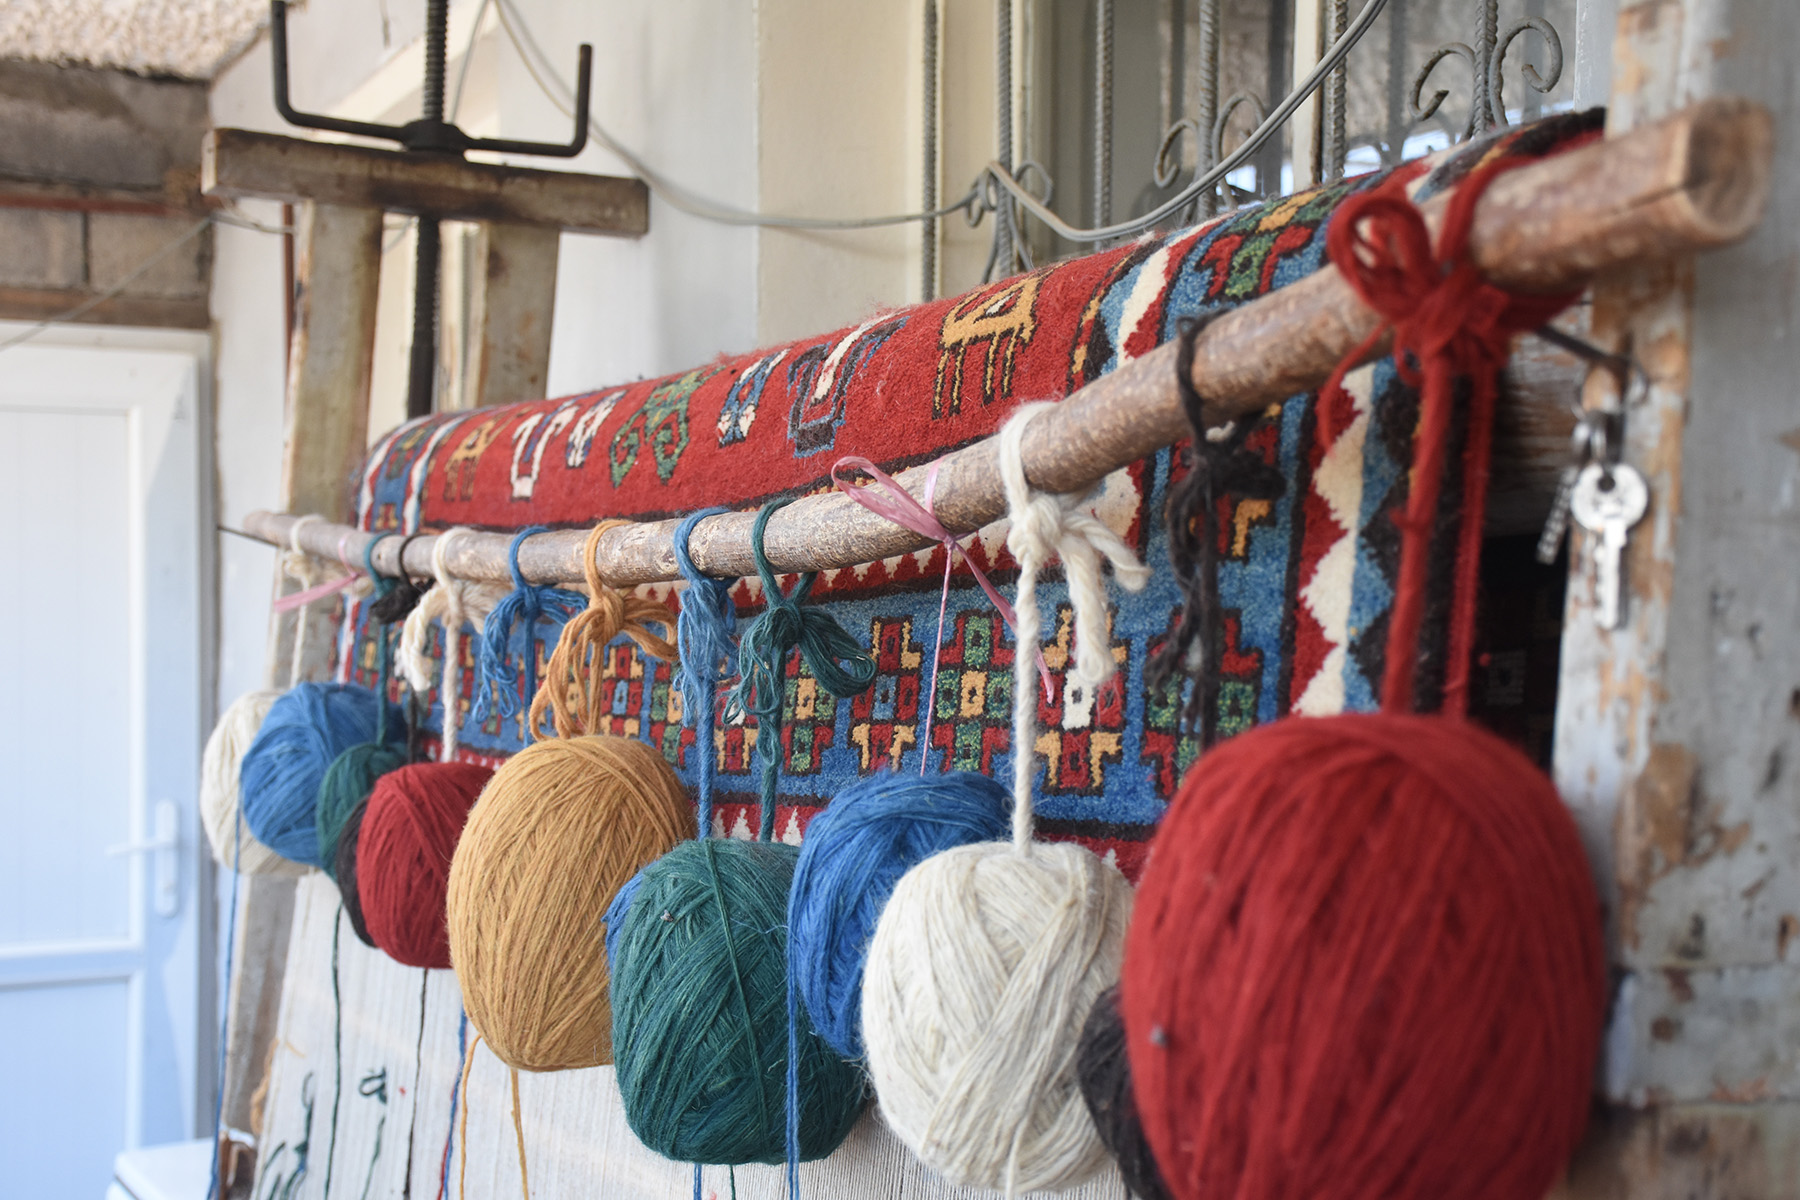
[318, 591]
[886, 498]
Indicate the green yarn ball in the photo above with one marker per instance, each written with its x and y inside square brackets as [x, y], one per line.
[348, 781]
[700, 1012]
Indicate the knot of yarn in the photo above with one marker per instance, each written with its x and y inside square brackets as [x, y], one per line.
[497, 680]
[836, 659]
[1218, 466]
[403, 593]
[572, 690]
[1046, 525]
[1447, 321]
[706, 640]
[453, 602]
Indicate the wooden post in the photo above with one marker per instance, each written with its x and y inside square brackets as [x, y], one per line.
[327, 434]
[1678, 733]
[1305, 125]
[513, 268]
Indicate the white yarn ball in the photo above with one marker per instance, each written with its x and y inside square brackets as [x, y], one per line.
[982, 970]
[219, 789]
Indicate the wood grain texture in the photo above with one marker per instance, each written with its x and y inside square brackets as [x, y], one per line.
[514, 305]
[242, 163]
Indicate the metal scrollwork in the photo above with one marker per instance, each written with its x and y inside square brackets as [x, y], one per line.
[1487, 61]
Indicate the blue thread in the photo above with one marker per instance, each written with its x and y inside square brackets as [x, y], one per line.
[305, 731]
[854, 854]
[706, 630]
[462, 1056]
[496, 679]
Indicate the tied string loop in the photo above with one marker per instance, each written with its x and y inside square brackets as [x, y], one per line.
[1447, 322]
[454, 602]
[836, 659]
[383, 586]
[1217, 468]
[706, 637]
[404, 593]
[886, 498]
[1046, 525]
[497, 688]
[572, 688]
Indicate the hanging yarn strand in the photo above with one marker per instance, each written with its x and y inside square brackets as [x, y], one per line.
[394, 604]
[454, 603]
[496, 679]
[1043, 524]
[1217, 467]
[573, 690]
[988, 957]
[836, 659]
[1348, 921]
[706, 638]
[1447, 322]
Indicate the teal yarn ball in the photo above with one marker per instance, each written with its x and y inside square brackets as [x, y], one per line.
[305, 731]
[347, 783]
[700, 1015]
[854, 853]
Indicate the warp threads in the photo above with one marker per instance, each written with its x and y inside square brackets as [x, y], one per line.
[410, 827]
[220, 765]
[978, 1077]
[305, 731]
[558, 829]
[854, 853]
[700, 1018]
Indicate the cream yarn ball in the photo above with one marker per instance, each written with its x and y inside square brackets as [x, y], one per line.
[219, 765]
[983, 968]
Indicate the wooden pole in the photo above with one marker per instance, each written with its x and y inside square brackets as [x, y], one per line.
[1695, 180]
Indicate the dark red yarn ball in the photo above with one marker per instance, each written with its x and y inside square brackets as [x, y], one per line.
[1365, 960]
[414, 819]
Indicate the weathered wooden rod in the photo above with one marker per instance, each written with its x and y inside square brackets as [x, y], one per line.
[1695, 180]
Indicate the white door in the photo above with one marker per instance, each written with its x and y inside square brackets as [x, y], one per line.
[100, 724]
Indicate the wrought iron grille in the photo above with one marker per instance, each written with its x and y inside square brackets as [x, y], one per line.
[1234, 124]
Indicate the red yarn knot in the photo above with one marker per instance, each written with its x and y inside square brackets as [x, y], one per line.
[1447, 321]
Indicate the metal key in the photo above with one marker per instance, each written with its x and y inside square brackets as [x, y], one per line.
[1587, 443]
[1607, 502]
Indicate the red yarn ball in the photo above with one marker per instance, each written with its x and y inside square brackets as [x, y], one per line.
[1365, 961]
[414, 819]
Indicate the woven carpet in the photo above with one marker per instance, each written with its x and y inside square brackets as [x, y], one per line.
[1305, 580]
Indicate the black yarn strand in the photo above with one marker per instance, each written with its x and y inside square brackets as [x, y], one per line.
[395, 604]
[1218, 468]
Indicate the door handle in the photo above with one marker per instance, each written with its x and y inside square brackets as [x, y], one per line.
[165, 845]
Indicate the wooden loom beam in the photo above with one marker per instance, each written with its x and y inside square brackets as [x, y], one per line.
[1695, 180]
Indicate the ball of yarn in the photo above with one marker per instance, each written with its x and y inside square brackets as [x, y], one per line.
[854, 853]
[1366, 961]
[984, 965]
[344, 871]
[306, 729]
[700, 1017]
[559, 828]
[414, 818]
[347, 783]
[219, 768]
[1104, 1072]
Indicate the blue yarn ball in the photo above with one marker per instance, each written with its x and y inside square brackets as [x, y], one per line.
[305, 731]
[852, 856]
